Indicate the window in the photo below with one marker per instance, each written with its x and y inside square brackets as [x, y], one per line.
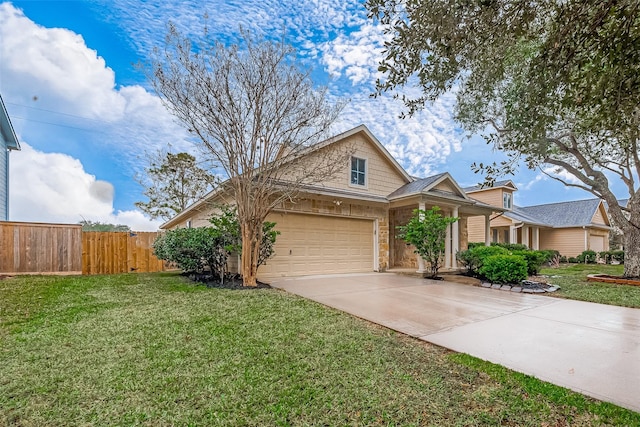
[494, 233]
[506, 200]
[358, 167]
[507, 236]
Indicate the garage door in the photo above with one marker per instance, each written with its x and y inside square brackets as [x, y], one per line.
[314, 244]
[596, 243]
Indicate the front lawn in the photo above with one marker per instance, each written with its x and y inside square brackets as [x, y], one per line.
[153, 349]
[572, 279]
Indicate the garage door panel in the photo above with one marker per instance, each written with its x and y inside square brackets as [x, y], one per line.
[314, 244]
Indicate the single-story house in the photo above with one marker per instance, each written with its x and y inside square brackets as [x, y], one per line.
[568, 227]
[348, 223]
[8, 142]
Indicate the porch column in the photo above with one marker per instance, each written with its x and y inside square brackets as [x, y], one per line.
[513, 234]
[525, 236]
[536, 239]
[447, 248]
[487, 230]
[456, 240]
[421, 269]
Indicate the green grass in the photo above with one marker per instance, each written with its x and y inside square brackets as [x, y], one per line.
[572, 279]
[155, 350]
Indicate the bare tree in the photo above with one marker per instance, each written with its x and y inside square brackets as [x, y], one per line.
[259, 116]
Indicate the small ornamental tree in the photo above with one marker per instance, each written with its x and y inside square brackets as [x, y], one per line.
[427, 231]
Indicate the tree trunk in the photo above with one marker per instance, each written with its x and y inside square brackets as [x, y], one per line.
[249, 258]
[631, 251]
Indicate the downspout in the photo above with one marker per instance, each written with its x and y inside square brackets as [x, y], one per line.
[586, 238]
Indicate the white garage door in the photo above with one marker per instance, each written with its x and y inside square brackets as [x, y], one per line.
[314, 244]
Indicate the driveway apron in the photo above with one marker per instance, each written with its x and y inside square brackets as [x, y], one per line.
[590, 348]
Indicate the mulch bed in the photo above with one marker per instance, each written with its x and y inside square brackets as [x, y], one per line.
[230, 282]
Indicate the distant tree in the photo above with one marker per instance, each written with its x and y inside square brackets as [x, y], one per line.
[427, 232]
[173, 182]
[255, 112]
[556, 83]
[101, 226]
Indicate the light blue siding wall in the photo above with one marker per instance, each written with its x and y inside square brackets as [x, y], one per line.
[4, 165]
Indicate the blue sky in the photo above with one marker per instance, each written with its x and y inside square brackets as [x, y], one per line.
[85, 115]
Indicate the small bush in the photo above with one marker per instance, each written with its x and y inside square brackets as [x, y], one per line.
[587, 257]
[564, 259]
[504, 269]
[511, 246]
[573, 260]
[534, 259]
[473, 258]
[472, 245]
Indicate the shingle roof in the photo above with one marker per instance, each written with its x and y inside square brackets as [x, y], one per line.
[519, 214]
[564, 214]
[495, 185]
[416, 186]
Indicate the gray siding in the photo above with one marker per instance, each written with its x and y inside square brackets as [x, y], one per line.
[4, 184]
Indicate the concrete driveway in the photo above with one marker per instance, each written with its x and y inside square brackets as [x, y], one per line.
[590, 348]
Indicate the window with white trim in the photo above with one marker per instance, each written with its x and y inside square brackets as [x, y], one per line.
[358, 171]
[507, 200]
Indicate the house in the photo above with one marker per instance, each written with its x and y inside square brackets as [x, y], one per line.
[348, 222]
[568, 227]
[8, 141]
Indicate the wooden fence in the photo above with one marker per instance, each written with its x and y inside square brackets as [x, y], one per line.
[32, 248]
[40, 248]
[119, 252]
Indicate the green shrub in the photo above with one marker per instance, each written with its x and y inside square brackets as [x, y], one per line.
[587, 257]
[472, 245]
[573, 260]
[534, 260]
[511, 246]
[473, 258]
[563, 259]
[550, 254]
[504, 269]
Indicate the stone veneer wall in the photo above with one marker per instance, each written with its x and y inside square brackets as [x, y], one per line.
[402, 255]
[348, 209]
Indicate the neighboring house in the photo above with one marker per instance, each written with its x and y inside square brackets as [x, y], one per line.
[8, 141]
[348, 223]
[568, 227]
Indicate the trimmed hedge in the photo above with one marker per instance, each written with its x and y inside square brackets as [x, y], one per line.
[504, 269]
[534, 260]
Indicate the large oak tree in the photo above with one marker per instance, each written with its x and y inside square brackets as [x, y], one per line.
[555, 83]
[255, 112]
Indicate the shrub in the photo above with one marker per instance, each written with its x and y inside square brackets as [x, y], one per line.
[550, 254]
[534, 260]
[472, 245]
[473, 258]
[511, 246]
[504, 268]
[587, 257]
[564, 259]
[184, 247]
[573, 260]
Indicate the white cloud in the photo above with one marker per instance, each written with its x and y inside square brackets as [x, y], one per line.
[562, 174]
[54, 187]
[69, 81]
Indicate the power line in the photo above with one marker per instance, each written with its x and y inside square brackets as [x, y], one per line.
[57, 112]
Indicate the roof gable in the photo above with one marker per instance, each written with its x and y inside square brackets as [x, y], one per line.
[442, 183]
[498, 184]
